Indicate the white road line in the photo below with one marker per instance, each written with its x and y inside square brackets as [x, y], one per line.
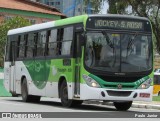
[8, 103]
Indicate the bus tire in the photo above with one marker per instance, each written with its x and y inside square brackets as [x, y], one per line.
[159, 94]
[64, 95]
[25, 96]
[24, 91]
[122, 106]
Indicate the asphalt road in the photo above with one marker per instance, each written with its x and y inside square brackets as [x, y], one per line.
[15, 104]
[51, 109]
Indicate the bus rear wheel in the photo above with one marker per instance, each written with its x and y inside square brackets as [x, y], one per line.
[24, 92]
[122, 106]
[64, 97]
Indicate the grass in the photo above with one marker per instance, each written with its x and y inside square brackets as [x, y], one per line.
[156, 98]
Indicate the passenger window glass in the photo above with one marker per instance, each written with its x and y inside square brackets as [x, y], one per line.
[30, 45]
[67, 41]
[52, 46]
[21, 46]
[41, 43]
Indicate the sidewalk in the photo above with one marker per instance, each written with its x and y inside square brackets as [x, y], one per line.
[135, 104]
[147, 105]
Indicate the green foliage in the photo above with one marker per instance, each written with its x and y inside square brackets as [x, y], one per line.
[5, 26]
[156, 98]
[149, 9]
[96, 4]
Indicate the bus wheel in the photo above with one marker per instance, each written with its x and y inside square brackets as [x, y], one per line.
[123, 106]
[159, 94]
[25, 96]
[24, 91]
[64, 95]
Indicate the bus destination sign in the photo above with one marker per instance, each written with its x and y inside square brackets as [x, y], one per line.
[118, 24]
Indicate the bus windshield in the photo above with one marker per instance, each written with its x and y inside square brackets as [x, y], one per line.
[118, 52]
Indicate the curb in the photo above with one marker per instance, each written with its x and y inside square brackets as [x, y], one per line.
[146, 106]
[134, 105]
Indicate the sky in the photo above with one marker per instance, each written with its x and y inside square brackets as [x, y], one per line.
[104, 7]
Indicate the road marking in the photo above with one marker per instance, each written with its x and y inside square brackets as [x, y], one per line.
[8, 103]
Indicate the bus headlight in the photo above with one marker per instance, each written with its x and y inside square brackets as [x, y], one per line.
[91, 82]
[145, 84]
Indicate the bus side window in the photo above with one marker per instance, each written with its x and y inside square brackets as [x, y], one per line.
[30, 45]
[67, 41]
[59, 41]
[158, 81]
[40, 44]
[7, 55]
[155, 79]
[21, 48]
[52, 42]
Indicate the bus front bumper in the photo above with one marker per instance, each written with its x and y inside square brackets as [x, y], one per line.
[90, 93]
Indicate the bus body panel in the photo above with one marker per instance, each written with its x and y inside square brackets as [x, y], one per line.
[96, 94]
[51, 85]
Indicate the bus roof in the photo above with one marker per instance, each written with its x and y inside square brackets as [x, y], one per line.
[67, 21]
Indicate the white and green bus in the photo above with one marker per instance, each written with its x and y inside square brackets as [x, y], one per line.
[87, 57]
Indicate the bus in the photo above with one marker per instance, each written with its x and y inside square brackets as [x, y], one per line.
[156, 86]
[86, 57]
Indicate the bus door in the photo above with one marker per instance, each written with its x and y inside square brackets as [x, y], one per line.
[78, 53]
[12, 68]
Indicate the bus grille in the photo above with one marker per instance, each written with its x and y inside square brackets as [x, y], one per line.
[119, 93]
[123, 86]
[119, 79]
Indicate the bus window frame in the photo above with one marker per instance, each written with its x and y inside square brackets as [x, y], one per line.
[78, 27]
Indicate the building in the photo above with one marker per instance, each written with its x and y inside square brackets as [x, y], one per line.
[69, 7]
[33, 11]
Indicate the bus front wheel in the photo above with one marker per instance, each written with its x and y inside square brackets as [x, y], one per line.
[122, 106]
[64, 97]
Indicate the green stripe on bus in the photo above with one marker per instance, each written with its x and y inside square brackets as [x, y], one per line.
[72, 20]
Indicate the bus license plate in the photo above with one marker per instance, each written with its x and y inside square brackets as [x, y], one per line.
[145, 95]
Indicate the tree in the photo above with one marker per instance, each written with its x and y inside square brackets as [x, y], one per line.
[149, 9]
[96, 4]
[5, 26]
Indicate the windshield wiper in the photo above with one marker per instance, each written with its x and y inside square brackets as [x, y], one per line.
[111, 45]
[107, 39]
[130, 43]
